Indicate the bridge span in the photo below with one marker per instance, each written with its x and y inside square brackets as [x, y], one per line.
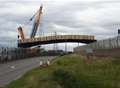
[26, 43]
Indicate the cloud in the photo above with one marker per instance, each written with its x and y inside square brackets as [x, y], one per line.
[94, 17]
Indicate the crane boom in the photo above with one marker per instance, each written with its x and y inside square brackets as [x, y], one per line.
[36, 22]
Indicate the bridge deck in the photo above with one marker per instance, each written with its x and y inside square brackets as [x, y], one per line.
[56, 39]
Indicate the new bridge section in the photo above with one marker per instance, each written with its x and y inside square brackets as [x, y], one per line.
[56, 39]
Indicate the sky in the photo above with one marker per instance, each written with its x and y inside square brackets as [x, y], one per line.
[89, 17]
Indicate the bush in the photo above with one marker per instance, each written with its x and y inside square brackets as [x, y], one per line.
[65, 79]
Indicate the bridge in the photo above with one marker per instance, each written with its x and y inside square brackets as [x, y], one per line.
[26, 43]
[33, 41]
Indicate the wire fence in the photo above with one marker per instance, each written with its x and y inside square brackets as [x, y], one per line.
[104, 48]
[110, 43]
[9, 54]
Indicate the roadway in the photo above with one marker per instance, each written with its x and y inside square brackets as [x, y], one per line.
[12, 70]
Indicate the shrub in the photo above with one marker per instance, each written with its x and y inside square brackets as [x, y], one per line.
[65, 79]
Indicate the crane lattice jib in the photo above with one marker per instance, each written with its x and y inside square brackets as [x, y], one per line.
[36, 22]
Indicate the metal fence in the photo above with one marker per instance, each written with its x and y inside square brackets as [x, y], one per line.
[110, 43]
[9, 54]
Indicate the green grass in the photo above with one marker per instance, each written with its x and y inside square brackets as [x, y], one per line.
[72, 71]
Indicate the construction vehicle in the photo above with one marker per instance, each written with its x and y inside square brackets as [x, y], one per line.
[36, 17]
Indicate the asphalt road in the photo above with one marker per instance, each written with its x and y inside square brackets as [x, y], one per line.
[13, 70]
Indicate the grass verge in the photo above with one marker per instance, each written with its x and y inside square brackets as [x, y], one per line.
[72, 71]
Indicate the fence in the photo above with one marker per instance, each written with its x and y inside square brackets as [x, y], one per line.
[8, 54]
[110, 43]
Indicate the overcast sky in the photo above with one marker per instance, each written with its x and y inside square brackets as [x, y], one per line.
[95, 17]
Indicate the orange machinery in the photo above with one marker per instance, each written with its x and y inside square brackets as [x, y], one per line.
[21, 35]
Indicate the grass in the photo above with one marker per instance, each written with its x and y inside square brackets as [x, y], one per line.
[72, 71]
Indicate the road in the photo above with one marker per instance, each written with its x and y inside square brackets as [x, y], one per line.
[15, 69]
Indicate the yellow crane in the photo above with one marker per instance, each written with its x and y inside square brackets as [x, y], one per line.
[36, 17]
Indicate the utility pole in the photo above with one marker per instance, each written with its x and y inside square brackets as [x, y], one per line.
[78, 44]
[118, 37]
[55, 44]
[118, 32]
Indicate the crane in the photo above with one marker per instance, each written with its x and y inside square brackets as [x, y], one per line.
[36, 17]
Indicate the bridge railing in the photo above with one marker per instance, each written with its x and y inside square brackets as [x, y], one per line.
[58, 37]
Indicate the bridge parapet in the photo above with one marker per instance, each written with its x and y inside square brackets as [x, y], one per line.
[56, 39]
